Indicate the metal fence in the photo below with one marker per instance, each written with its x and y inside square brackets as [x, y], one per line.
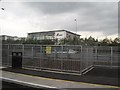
[0, 55]
[64, 58]
[106, 56]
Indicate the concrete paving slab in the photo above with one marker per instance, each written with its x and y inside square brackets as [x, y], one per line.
[98, 75]
[38, 82]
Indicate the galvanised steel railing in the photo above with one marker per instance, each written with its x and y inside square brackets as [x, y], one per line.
[62, 58]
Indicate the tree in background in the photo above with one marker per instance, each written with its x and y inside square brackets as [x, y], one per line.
[105, 42]
[116, 42]
[42, 42]
[67, 41]
[70, 41]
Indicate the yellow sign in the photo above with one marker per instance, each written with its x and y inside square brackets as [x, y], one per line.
[48, 49]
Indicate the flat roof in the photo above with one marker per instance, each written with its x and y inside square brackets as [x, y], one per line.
[7, 36]
[55, 31]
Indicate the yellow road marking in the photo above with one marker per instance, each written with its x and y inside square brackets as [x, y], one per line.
[107, 86]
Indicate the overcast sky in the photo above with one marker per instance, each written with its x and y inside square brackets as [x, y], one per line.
[96, 19]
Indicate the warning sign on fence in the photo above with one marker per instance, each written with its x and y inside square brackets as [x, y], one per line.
[48, 49]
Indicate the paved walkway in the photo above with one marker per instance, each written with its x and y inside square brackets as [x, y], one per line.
[38, 82]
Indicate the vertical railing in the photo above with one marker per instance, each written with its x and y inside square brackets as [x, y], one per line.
[81, 59]
[23, 54]
[96, 55]
[61, 59]
[32, 49]
[41, 57]
[108, 58]
[0, 54]
[8, 59]
[68, 63]
[87, 61]
[111, 56]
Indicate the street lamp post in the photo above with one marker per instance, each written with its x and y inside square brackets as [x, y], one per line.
[76, 30]
[76, 25]
[2, 8]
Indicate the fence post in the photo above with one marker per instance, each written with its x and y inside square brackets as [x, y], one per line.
[96, 55]
[111, 56]
[55, 50]
[87, 57]
[62, 59]
[23, 54]
[33, 58]
[8, 60]
[81, 60]
[40, 58]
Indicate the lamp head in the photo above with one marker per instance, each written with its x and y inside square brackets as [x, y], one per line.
[2, 8]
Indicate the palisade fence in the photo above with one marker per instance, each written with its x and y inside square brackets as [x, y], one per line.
[62, 58]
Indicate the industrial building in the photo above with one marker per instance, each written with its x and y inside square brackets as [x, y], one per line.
[56, 34]
[6, 37]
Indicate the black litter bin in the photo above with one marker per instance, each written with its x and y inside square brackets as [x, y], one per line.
[16, 59]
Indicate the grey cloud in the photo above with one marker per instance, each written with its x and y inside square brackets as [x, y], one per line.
[104, 18]
[57, 7]
[92, 16]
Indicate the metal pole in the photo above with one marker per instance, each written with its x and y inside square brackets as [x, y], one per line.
[111, 56]
[96, 55]
[87, 58]
[76, 29]
[8, 55]
[33, 58]
[62, 59]
[23, 55]
[81, 61]
[40, 58]
[1, 54]
[76, 25]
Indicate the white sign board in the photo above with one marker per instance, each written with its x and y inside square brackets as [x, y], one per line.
[60, 35]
